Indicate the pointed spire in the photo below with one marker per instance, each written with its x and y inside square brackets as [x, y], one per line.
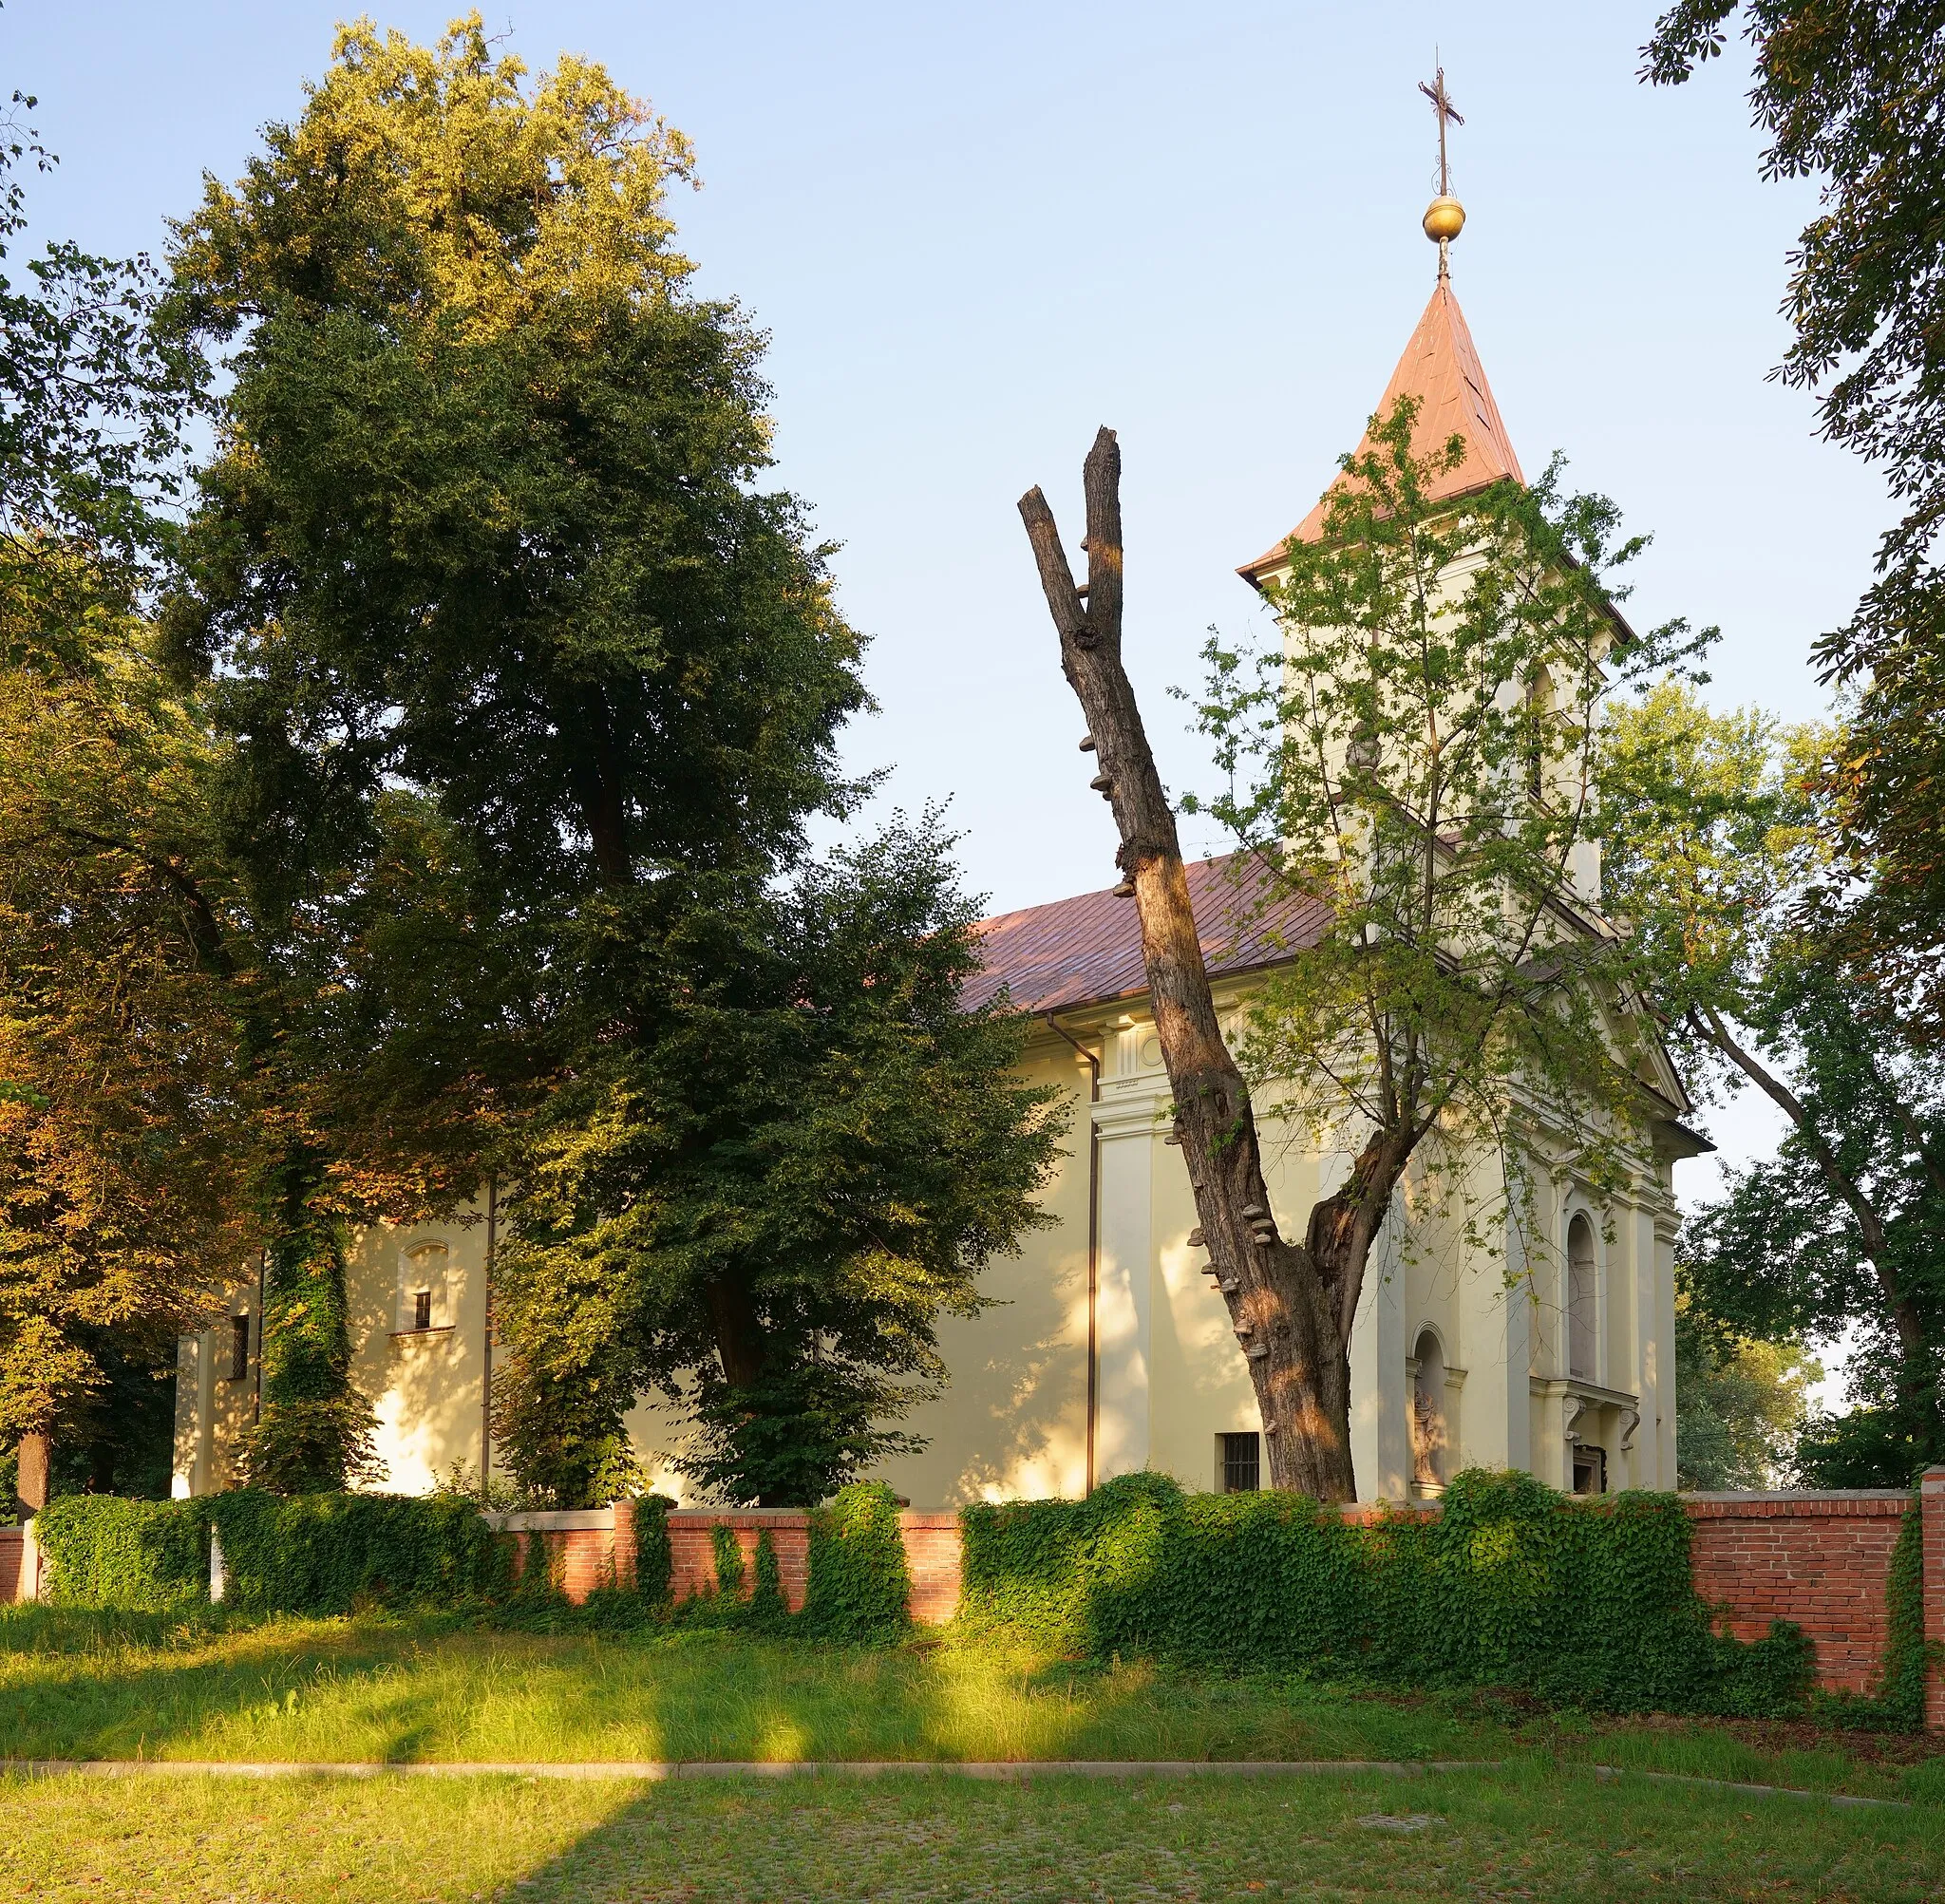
[1441, 369]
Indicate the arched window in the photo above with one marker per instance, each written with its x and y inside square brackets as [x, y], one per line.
[1580, 1299]
[1430, 1437]
[422, 1287]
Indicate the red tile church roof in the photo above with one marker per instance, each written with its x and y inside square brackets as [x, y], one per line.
[1087, 950]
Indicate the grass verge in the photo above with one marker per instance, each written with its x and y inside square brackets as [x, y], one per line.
[77, 1686]
[1528, 1832]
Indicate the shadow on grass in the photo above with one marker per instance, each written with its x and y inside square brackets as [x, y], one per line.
[392, 1689]
[379, 1688]
[1528, 1832]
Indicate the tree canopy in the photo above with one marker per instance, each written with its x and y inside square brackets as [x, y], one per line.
[1720, 850]
[1852, 93]
[121, 1141]
[530, 690]
[1740, 1405]
[761, 1202]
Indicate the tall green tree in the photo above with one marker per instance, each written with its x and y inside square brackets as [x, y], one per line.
[1852, 93]
[1418, 746]
[119, 1136]
[123, 1140]
[486, 552]
[762, 1206]
[1719, 846]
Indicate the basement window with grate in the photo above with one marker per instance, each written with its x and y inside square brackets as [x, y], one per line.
[1242, 1463]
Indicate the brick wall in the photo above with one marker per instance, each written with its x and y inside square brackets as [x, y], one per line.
[586, 1549]
[1822, 1560]
[576, 1546]
[9, 1565]
[931, 1554]
[1931, 1498]
[692, 1550]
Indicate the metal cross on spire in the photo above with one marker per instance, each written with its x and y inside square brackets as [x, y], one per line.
[1445, 217]
[1442, 106]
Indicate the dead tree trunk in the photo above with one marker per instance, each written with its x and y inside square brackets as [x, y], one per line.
[1285, 1320]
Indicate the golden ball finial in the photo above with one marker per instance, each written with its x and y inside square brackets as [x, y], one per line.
[1444, 218]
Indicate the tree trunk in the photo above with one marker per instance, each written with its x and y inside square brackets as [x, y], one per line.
[1914, 1347]
[740, 1345]
[1294, 1339]
[30, 1482]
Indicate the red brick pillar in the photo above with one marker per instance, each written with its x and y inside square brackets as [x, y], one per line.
[1932, 1506]
[624, 1541]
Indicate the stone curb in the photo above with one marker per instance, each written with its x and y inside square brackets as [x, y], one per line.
[1611, 1772]
[658, 1770]
[652, 1771]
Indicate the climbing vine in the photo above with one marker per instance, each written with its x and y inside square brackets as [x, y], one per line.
[139, 1555]
[1907, 1655]
[859, 1588]
[334, 1553]
[316, 1430]
[1511, 1584]
[654, 1555]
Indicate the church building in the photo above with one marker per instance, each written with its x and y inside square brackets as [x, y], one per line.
[1547, 1347]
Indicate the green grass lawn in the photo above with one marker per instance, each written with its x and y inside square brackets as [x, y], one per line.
[374, 1687]
[1530, 1832]
[83, 1686]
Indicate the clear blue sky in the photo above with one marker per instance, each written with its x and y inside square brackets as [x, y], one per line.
[976, 232]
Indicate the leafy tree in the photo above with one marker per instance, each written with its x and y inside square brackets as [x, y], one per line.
[1740, 1405]
[1851, 92]
[1418, 748]
[485, 555]
[1799, 1248]
[118, 1138]
[1718, 849]
[763, 1205]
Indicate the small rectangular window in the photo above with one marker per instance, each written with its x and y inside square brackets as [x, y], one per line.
[1243, 1463]
[422, 1310]
[239, 1347]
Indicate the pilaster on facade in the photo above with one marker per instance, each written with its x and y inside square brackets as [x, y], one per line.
[1380, 1389]
[1658, 1356]
[1128, 1124]
[194, 1449]
[1503, 1439]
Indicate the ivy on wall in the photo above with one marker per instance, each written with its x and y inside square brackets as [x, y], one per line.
[729, 1558]
[859, 1588]
[139, 1555]
[1511, 1584]
[324, 1554]
[336, 1553]
[654, 1555]
[1907, 1656]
